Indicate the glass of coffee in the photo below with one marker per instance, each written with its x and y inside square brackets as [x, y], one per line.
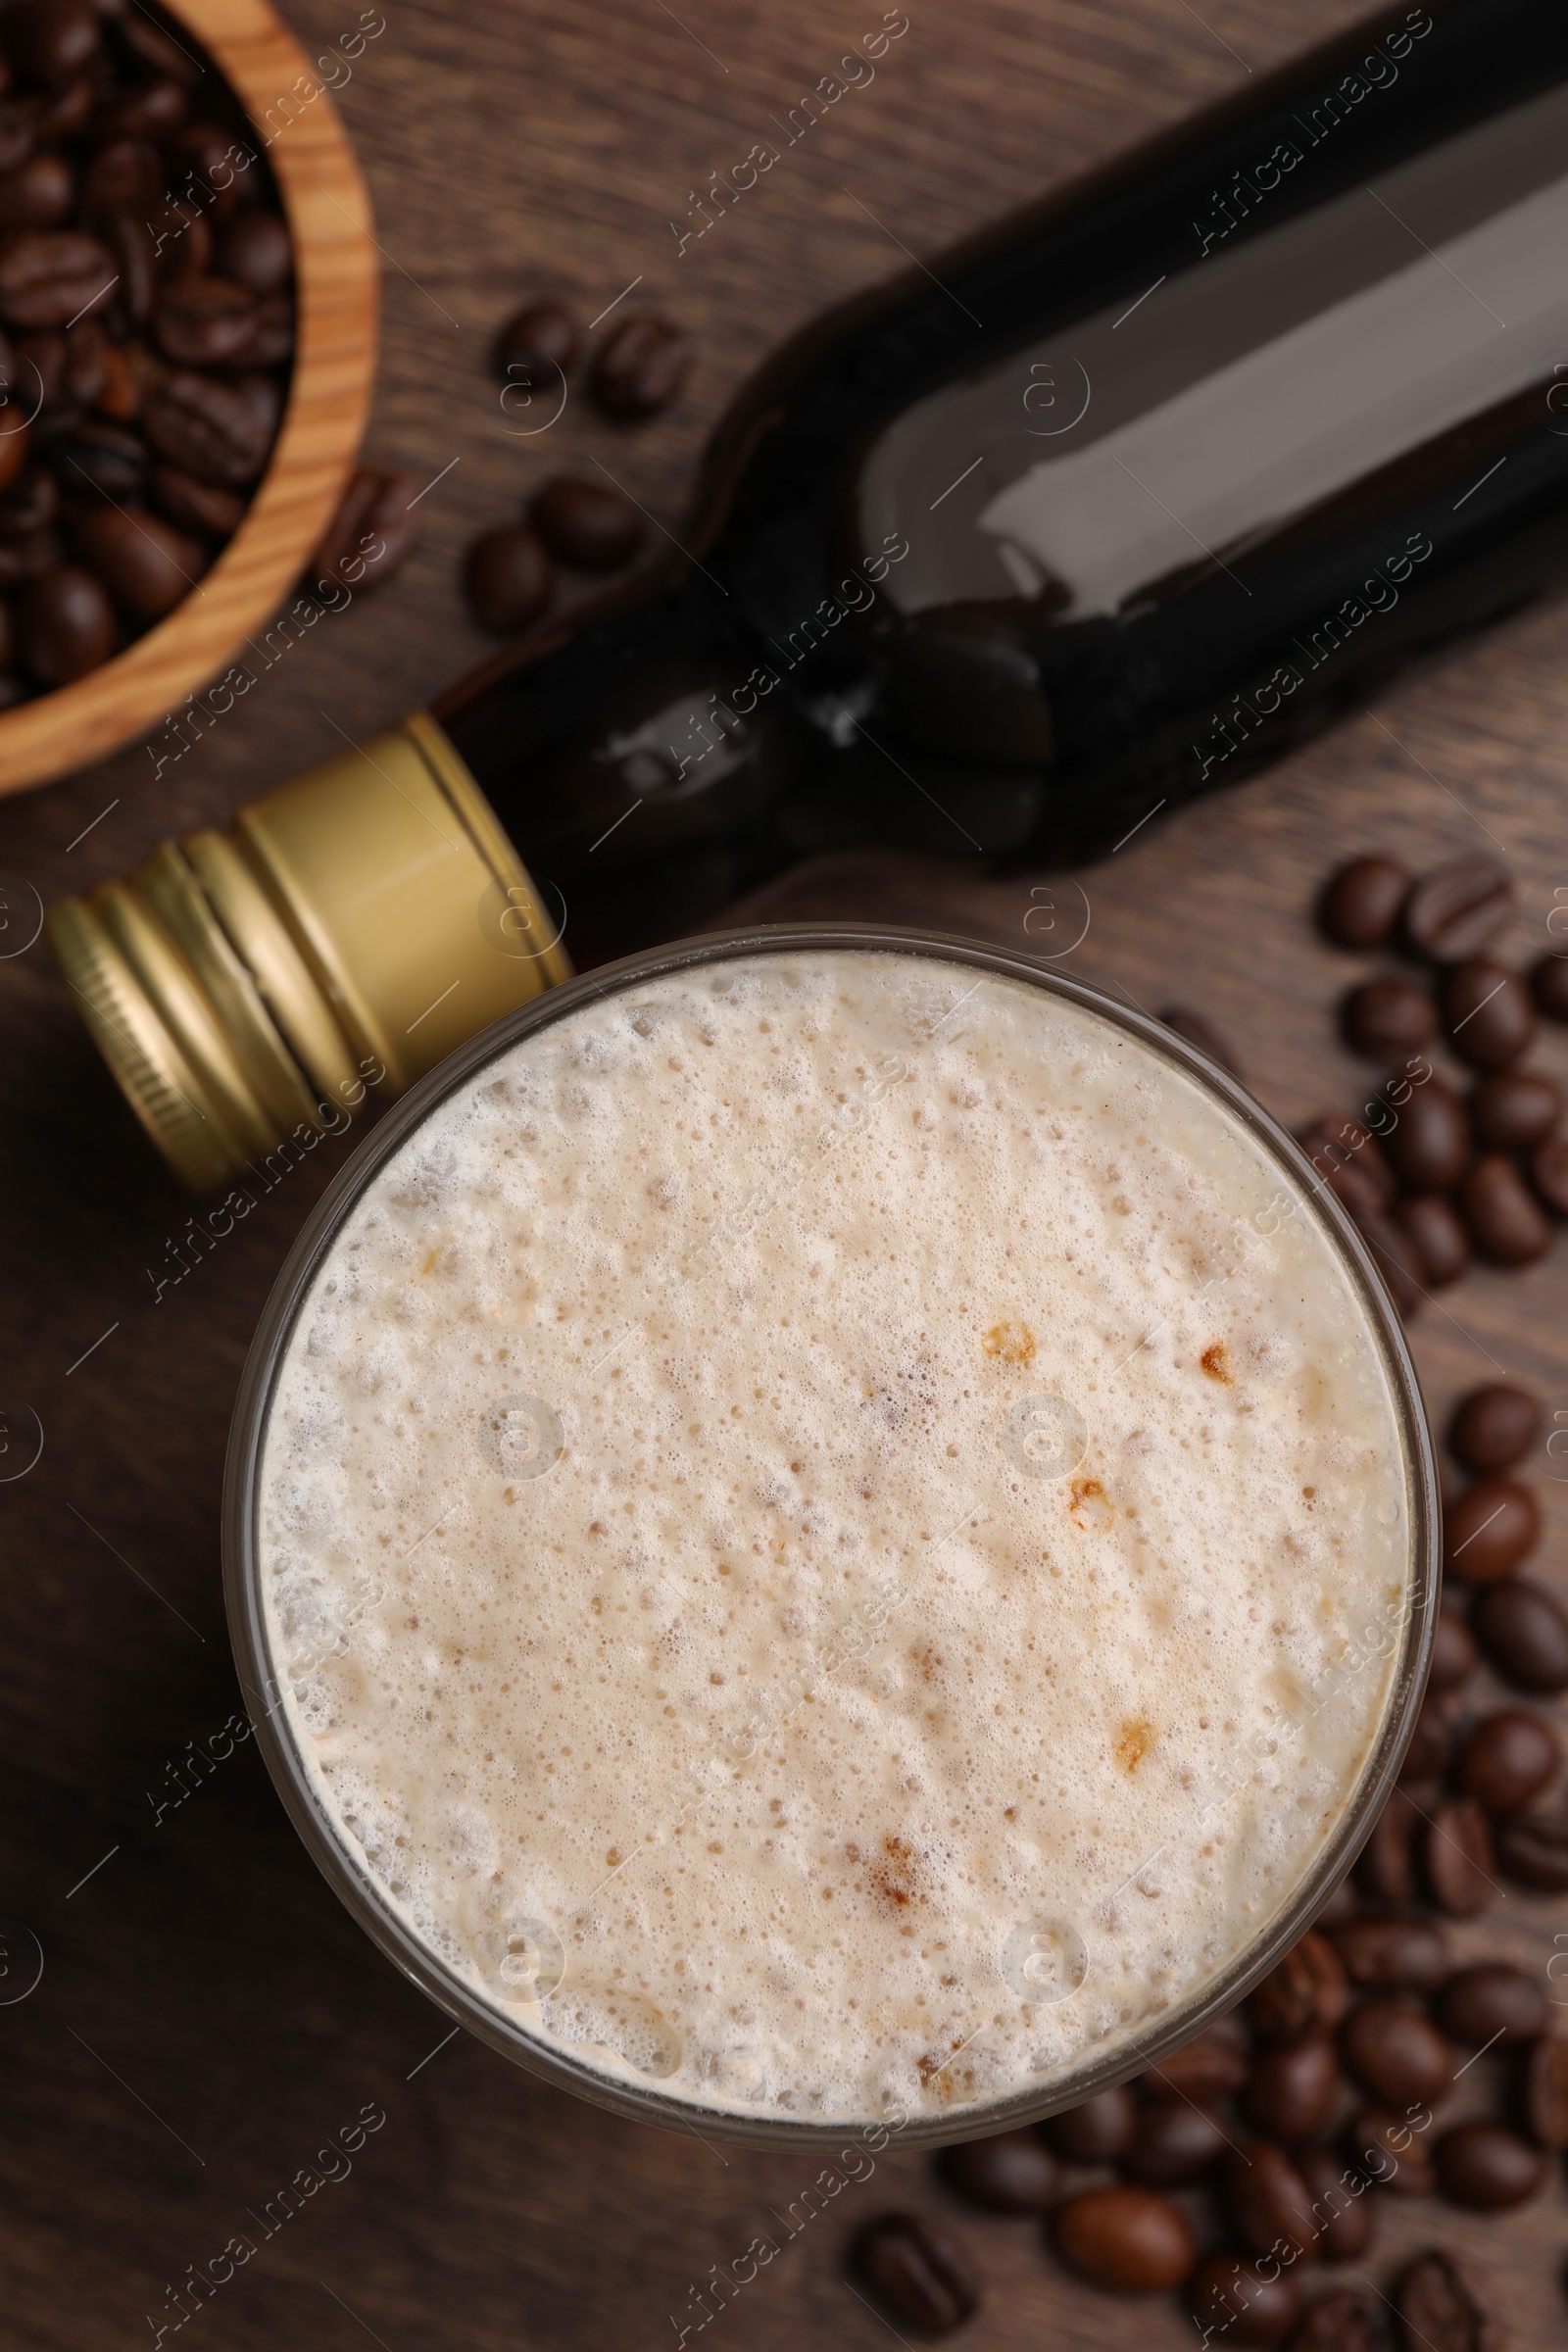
[827, 1528]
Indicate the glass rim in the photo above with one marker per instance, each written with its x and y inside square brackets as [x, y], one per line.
[348, 1875]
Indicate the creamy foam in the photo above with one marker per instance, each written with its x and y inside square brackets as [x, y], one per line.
[834, 1532]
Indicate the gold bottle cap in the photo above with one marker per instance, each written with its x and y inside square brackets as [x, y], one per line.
[347, 931]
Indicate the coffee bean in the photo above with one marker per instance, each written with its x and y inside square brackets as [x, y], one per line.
[1437, 1233]
[1548, 981]
[1098, 2131]
[1395, 2053]
[202, 150]
[144, 562]
[1492, 2004]
[66, 625]
[1487, 2167]
[1432, 1743]
[919, 2273]
[589, 524]
[1013, 2172]
[1532, 1848]
[1548, 1172]
[1128, 2239]
[1388, 1019]
[1268, 2201]
[50, 41]
[1342, 2210]
[1342, 1906]
[1493, 1427]
[18, 129]
[127, 175]
[1489, 1530]
[371, 533]
[1524, 1632]
[1458, 1858]
[1454, 1656]
[38, 194]
[1546, 2092]
[1203, 1034]
[1513, 1110]
[1441, 2309]
[1488, 1012]
[1175, 2145]
[1429, 1147]
[49, 278]
[1247, 2304]
[534, 343]
[152, 110]
[1386, 1864]
[129, 240]
[1395, 1258]
[1205, 2070]
[202, 321]
[221, 432]
[1508, 1758]
[1348, 1156]
[642, 365]
[65, 111]
[1293, 2091]
[1388, 2149]
[1361, 903]
[183, 236]
[1304, 1997]
[1344, 2322]
[508, 578]
[1507, 1225]
[1458, 911]
[31, 505]
[254, 252]
[1394, 1955]
[102, 457]
[197, 506]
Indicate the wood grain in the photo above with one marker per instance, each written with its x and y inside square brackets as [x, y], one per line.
[204, 1971]
[329, 393]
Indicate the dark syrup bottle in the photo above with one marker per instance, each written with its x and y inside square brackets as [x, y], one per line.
[1101, 512]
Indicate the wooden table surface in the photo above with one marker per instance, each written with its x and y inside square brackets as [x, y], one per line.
[207, 2014]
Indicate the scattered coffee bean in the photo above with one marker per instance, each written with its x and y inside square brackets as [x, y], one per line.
[1013, 2172]
[1293, 2091]
[1304, 1997]
[1268, 2201]
[1437, 1232]
[1532, 1848]
[1386, 1866]
[507, 578]
[1432, 1741]
[1201, 1033]
[1361, 903]
[1548, 980]
[1175, 2145]
[1503, 1214]
[1096, 2132]
[590, 524]
[1492, 2004]
[144, 562]
[642, 365]
[1548, 1172]
[1395, 2053]
[1342, 1906]
[1429, 1147]
[254, 252]
[534, 343]
[1488, 1010]
[1487, 2167]
[1344, 2322]
[1341, 2207]
[1459, 911]
[1508, 1758]
[1441, 2309]
[1524, 1632]
[1488, 1530]
[1458, 1858]
[1454, 1656]
[371, 533]
[1131, 2240]
[1493, 1427]
[1395, 1258]
[66, 625]
[1513, 1110]
[1546, 2094]
[1389, 1019]
[1205, 2070]
[919, 2273]
[1394, 1955]
[1387, 2149]
[1238, 2299]
[1348, 1159]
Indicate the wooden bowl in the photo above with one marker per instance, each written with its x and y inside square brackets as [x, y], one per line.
[334, 362]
